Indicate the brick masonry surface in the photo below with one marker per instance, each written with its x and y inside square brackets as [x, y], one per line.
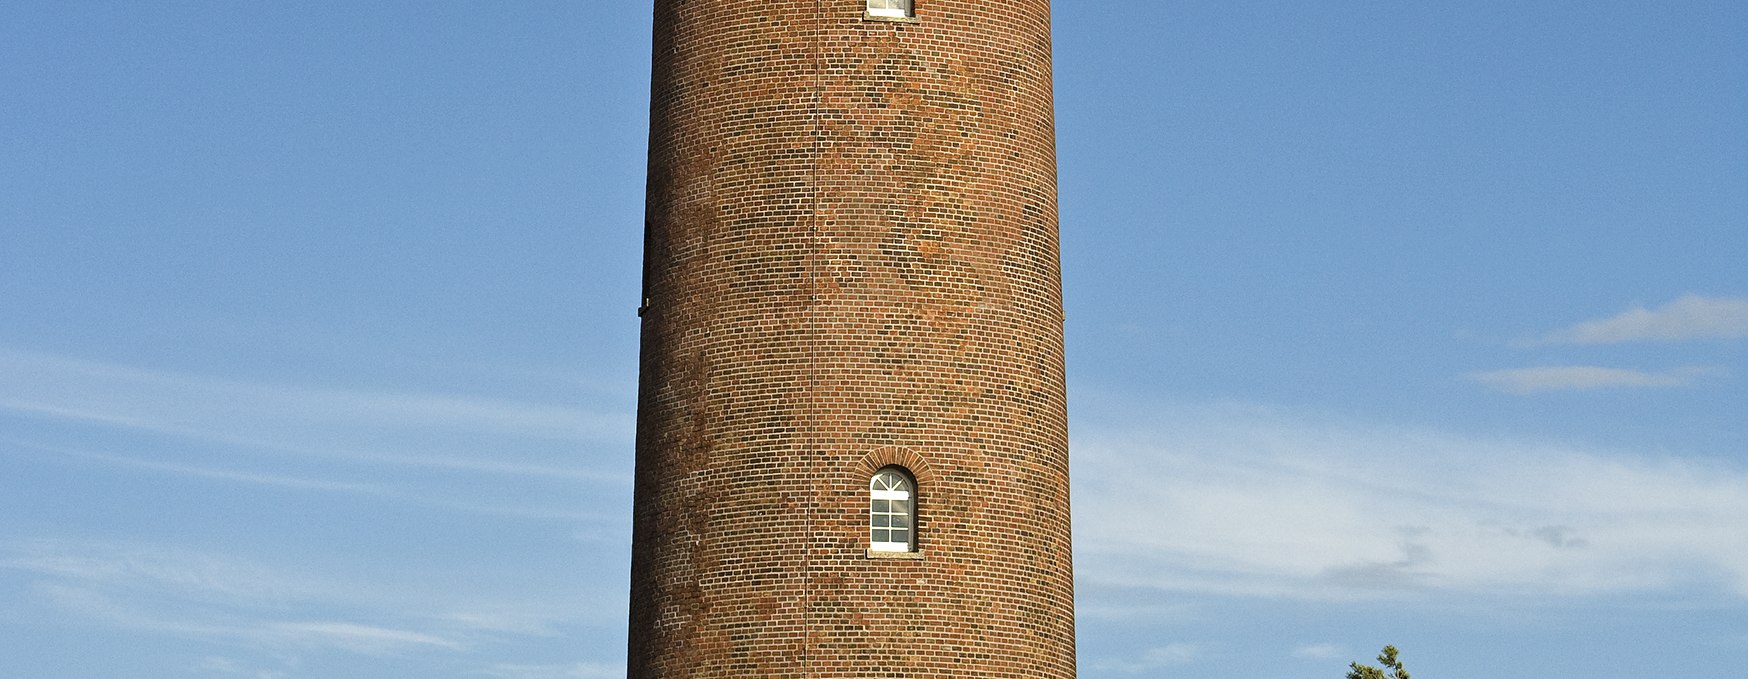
[851, 261]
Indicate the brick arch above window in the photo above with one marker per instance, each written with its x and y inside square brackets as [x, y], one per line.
[895, 456]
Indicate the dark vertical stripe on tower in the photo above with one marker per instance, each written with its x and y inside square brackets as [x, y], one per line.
[814, 48]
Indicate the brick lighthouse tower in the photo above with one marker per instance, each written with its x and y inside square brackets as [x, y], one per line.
[852, 452]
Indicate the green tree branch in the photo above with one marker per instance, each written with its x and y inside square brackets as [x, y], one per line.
[1392, 669]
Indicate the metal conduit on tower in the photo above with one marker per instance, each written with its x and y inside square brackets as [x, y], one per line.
[852, 453]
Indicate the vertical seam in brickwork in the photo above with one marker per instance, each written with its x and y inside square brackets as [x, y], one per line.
[810, 261]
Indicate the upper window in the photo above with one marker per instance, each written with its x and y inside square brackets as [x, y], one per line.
[889, 8]
[892, 511]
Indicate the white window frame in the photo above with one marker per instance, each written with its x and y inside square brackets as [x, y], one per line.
[898, 9]
[881, 510]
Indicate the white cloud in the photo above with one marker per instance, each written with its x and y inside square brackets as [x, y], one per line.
[222, 665]
[1583, 377]
[353, 637]
[457, 453]
[188, 575]
[219, 664]
[1248, 502]
[212, 624]
[1089, 605]
[1689, 317]
[519, 511]
[1155, 658]
[275, 480]
[92, 605]
[187, 594]
[370, 427]
[1319, 652]
[520, 623]
[582, 670]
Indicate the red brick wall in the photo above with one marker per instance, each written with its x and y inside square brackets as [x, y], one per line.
[850, 262]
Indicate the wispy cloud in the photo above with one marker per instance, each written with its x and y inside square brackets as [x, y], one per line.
[73, 380]
[186, 594]
[1258, 502]
[227, 666]
[582, 670]
[353, 637]
[219, 664]
[1154, 658]
[274, 480]
[520, 623]
[192, 576]
[1319, 651]
[1690, 317]
[250, 631]
[512, 509]
[1092, 604]
[359, 426]
[1585, 377]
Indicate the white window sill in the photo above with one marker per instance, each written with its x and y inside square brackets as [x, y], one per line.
[870, 16]
[903, 556]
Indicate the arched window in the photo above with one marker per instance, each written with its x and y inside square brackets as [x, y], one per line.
[891, 511]
[889, 8]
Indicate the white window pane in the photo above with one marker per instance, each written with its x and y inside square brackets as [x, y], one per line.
[888, 480]
[889, 8]
[891, 518]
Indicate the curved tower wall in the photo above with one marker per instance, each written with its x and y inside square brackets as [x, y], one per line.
[851, 262]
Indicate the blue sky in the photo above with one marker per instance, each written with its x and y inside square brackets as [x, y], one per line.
[1388, 323]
